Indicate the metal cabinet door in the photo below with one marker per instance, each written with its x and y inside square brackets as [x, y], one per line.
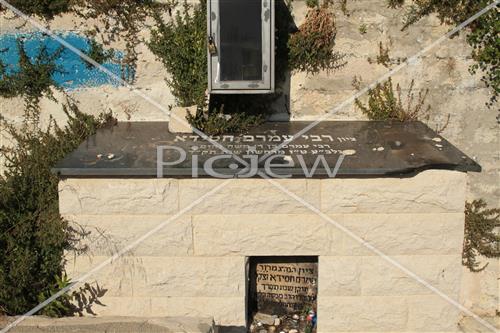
[240, 46]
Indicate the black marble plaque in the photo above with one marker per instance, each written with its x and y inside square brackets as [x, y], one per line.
[370, 149]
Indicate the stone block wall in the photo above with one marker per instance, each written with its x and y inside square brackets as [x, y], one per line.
[195, 265]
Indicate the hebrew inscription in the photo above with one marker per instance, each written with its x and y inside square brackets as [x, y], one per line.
[286, 287]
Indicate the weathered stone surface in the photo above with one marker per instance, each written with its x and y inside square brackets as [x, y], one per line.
[339, 276]
[259, 234]
[225, 310]
[429, 191]
[177, 122]
[167, 276]
[228, 311]
[381, 278]
[163, 324]
[432, 313]
[118, 196]
[363, 314]
[265, 318]
[110, 233]
[248, 196]
[404, 234]
[481, 290]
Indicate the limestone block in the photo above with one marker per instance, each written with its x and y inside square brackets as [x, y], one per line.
[409, 234]
[362, 314]
[111, 233]
[259, 234]
[481, 290]
[432, 313]
[125, 306]
[228, 311]
[178, 122]
[167, 276]
[118, 196]
[339, 276]
[249, 196]
[429, 191]
[37, 324]
[379, 277]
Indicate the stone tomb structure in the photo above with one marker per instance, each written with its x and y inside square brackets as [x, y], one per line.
[400, 187]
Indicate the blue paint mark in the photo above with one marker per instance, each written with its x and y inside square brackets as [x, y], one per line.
[74, 72]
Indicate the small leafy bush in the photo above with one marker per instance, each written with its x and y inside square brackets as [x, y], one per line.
[34, 77]
[311, 49]
[312, 3]
[231, 114]
[79, 301]
[385, 103]
[383, 57]
[482, 235]
[97, 53]
[181, 46]
[217, 122]
[46, 9]
[33, 236]
[395, 3]
[119, 20]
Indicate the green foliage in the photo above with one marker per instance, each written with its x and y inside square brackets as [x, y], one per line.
[363, 29]
[181, 46]
[46, 9]
[231, 114]
[119, 20]
[97, 53]
[483, 34]
[311, 49]
[395, 3]
[482, 235]
[383, 57]
[485, 40]
[33, 236]
[68, 304]
[386, 104]
[34, 77]
[312, 3]
[217, 122]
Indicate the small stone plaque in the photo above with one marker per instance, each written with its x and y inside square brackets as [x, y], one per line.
[286, 287]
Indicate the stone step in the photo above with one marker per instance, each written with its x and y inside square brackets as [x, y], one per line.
[40, 324]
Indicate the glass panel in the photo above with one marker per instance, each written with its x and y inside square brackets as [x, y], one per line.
[240, 40]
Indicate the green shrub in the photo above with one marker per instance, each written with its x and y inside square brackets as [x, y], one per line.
[97, 53]
[311, 49]
[395, 3]
[217, 121]
[385, 103]
[232, 113]
[78, 301]
[46, 9]
[383, 57]
[482, 235]
[119, 20]
[312, 3]
[181, 46]
[33, 236]
[34, 77]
